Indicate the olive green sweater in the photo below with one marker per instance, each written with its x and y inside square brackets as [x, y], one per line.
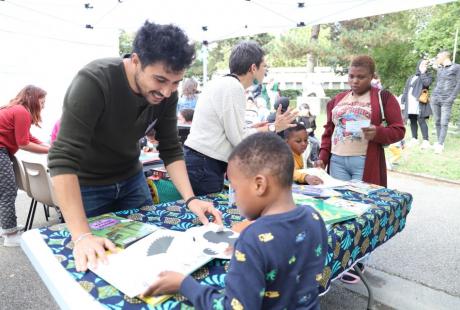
[102, 122]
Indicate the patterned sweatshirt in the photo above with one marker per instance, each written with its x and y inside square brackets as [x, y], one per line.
[276, 264]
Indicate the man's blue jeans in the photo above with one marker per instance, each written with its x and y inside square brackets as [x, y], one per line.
[442, 111]
[127, 194]
[347, 168]
[206, 174]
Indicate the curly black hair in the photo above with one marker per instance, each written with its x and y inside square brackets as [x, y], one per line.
[165, 43]
[265, 152]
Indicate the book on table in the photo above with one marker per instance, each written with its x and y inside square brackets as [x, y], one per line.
[314, 191]
[121, 231]
[330, 213]
[352, 206]
[135, 268]
[363, 187]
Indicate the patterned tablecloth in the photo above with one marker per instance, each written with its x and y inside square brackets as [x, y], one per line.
[347, 243]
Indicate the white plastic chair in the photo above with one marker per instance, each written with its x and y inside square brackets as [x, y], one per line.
[41, 189]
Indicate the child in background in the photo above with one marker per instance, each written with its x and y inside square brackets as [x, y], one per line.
[185, 116]
[279, 258]
[297, 139]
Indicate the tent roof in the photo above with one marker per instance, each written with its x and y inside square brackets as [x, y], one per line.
[202, 19]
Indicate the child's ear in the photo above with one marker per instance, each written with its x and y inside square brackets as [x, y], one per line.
[260, 184]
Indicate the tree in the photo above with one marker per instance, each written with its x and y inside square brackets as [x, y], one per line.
[125, 42]
[437, 32]
[313, 40]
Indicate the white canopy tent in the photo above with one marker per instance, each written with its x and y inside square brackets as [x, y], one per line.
[44, 42]
[213, 20]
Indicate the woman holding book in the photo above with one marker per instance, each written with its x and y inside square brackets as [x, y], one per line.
[354, 135]
[355, 132]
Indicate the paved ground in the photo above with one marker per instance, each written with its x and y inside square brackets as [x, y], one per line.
[417, 269]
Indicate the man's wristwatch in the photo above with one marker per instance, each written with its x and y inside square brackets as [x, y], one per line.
[272, 127]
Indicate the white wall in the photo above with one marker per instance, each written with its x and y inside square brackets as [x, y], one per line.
[45, 44]
[50, 64]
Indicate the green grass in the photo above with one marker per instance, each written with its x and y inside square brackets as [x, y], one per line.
[414, 160]
[445, 165]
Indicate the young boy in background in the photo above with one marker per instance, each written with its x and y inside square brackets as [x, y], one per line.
[279, 258]
[297, 139]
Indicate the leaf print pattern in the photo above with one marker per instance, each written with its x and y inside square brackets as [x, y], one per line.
[390, 209]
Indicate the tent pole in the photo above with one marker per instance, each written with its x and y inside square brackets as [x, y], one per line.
[455, 45]
[204, 55]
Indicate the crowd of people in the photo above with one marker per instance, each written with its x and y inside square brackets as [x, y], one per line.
[240, 129]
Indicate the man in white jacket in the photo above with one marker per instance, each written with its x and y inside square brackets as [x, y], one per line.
[218, 124]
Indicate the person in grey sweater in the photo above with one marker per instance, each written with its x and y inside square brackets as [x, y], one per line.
[218, 122]
[443, 96]
[109, 106]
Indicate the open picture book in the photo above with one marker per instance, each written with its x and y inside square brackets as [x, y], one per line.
[135, 268]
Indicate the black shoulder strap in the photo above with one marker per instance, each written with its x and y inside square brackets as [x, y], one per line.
[233, 76]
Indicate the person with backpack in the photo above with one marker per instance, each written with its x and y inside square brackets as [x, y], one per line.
[360, 122]
[355, 132]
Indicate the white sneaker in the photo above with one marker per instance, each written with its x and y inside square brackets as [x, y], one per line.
[412, 142]
[425, 145]
[438, 148]
[13, 240]
[18, 228]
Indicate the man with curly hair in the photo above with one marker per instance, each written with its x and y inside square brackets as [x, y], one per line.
[109, 106]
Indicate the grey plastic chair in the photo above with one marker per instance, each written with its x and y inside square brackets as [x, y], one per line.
[41, 189]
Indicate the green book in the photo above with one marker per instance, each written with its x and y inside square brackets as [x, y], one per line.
[330, 213]
[121, 231]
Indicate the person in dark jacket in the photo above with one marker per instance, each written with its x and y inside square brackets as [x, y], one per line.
[444, 93]
[414, 110]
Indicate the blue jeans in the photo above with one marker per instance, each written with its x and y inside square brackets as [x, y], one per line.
[206, 174]
[127, 194]
[347, 168]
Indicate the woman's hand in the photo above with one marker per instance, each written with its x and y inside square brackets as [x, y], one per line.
[319, 164]
[369, 132]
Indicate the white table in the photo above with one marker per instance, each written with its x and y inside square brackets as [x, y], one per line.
[65, 290]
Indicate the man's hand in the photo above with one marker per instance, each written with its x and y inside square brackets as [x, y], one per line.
[89, 250]
[259, 125]
[169, 282]
[369, 132]
[284, 120]
[313, 180]
[201, 208]
[319, 164]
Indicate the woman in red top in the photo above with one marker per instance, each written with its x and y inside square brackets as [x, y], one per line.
[353, 139]
[15, 120]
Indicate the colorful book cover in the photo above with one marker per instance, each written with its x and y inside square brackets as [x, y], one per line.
[121, 231]
[353, 206]
[314, 191]
[363, 187]
[330, 213]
